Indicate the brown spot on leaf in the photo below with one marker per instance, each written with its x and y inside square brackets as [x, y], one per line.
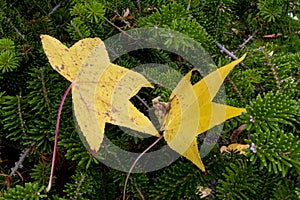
[107, 114]
[132, 119]
[132, 79]
[114, 110]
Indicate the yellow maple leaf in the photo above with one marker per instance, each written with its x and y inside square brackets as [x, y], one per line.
[82, 64]
[192, 112]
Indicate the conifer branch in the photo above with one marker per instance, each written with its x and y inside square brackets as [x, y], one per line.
[246, 42]
[143, 102]
[22, 157]
[230, 54]
[274, 74]
[234, 87]
[20, 115]
[189, 5]
[45, 91]
[139, 6]
[15, 29]
[54, 9]
[119, 29]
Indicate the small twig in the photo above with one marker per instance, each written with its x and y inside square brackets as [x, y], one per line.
[230, 54]
[54, 9]
[56, 135]
[79, 185]
[189, 5]
[44, 89]
[18, 32]
[274, 74]
[142, 101]
[234, 87]
[226, 51]
[273, 69]
[246, 42]
[21, 160]
[242, 64]
[22, 122]
[134, 163]
[139, 6]
[119, 29]
[76, 29]
[139, 191]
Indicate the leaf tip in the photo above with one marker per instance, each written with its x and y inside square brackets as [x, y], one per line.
[94, 152]
[243, 56]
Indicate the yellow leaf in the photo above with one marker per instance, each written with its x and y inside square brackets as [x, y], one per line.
[87, 65]
[67, 61]
[203, 191]
[193, 112]
[235, 147]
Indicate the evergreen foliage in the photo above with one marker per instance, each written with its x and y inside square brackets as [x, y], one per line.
[267, 85]
[29, 191]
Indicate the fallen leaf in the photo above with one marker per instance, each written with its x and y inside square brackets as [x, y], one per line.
[203, 192]
[235, 31]
[87, 65]
[235, 147]
[192, 112]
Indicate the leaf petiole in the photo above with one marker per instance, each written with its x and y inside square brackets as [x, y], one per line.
[136, 160]
[56, 135]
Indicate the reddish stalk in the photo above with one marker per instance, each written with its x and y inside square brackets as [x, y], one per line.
[134, 163]
[56, 135]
